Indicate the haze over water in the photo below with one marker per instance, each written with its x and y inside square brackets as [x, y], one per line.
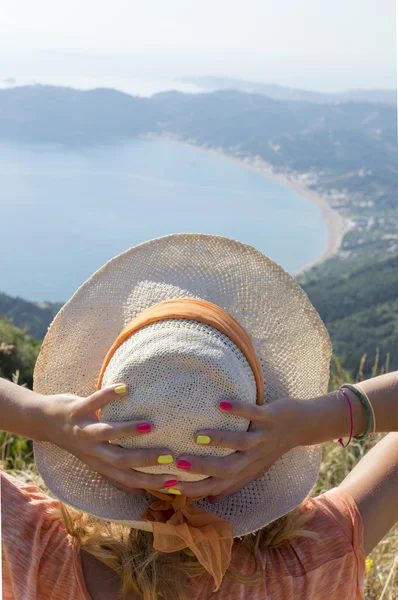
[64, 212]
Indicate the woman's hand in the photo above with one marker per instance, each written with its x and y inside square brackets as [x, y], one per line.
[275, 429]
[71, 423]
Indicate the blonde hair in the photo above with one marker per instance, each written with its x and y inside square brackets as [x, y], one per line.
[154, 575]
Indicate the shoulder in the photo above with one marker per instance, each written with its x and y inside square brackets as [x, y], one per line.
[334, 515]
[331, 559]
[327, 563]
[33, 543]
[24, 508]
[16, 491]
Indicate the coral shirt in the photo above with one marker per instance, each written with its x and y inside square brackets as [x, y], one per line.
[39, 562]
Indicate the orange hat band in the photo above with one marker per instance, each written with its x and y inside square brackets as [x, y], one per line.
[193, 309]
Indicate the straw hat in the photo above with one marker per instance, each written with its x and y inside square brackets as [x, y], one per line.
[177, 370]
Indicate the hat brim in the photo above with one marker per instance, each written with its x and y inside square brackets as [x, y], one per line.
[290, 340]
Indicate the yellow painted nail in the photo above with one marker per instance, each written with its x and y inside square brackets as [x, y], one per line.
[174, 491]
[120, 389]
[165, 459]
[203, 439]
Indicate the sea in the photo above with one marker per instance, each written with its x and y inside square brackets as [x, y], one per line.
[65, 211]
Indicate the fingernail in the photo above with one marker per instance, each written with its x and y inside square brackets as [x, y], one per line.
[169, 484]
[174, 491]
[120, 389]
[203, 439]
[225, 405]
[165, 459]
[183, 464]
[144, 427]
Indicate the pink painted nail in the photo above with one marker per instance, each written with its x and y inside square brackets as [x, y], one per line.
[225, 405]
[183, 464]
[144, 428]
[171, 483]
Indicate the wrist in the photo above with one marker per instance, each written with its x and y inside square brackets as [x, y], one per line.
[328, 418]
[32, 419]
[290, 416]
[20, 409]
[41, 425]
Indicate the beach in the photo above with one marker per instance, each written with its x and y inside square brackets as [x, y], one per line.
[335, 222]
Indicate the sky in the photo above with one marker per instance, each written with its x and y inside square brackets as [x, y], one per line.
[311, 44]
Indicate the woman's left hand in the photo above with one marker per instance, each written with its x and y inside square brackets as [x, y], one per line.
[275, 429]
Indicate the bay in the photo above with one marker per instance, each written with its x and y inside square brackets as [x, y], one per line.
[65, 211]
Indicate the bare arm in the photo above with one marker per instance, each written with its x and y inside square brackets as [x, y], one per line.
[373, 484]
[329, 415]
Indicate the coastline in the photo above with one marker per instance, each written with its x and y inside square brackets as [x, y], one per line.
[335, 222]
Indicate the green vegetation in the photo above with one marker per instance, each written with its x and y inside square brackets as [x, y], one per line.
[360, 309]
[18, 352]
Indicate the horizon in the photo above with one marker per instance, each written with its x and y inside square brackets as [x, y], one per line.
[328, 49]
[149, 88]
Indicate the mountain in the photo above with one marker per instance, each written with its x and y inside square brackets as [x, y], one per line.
[55, 114]
[36, 316]
[279, 92]
[298, 135]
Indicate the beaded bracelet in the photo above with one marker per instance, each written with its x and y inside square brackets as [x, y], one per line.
[371, 408]
[366, 404]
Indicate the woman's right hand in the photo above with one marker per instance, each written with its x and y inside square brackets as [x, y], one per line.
[71, 423]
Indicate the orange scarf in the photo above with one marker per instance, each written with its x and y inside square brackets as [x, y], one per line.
[175, 524]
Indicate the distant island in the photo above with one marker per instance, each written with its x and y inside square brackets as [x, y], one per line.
[345, 152]
[279, 92]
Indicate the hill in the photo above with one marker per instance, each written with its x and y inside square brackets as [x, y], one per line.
[360, 310]
[36, 316]
[298, 135]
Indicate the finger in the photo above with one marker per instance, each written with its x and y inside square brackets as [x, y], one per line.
[247, 410]
[102, 397]
[235, 440]
[124, 488]
[232, 489]
[129, 458]
[130, 478]
[257, 470]
[207, 487]
[213, 466]
[103, 431]
[215, 488]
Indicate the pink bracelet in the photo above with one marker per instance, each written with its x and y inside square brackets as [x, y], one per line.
[340, 440]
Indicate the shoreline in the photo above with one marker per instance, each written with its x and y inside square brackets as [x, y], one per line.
[336, 224]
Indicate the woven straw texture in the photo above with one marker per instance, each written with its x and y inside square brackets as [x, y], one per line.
[178, 371]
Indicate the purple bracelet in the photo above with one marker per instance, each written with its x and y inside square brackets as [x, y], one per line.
[340, 440]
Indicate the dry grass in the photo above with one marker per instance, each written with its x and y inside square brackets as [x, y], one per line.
[381, 566]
